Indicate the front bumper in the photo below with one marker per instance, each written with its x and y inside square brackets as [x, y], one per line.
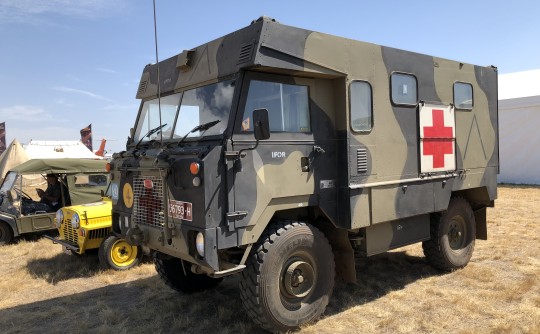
[64, 243]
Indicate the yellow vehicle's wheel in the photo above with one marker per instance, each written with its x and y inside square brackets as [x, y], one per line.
[117, 254]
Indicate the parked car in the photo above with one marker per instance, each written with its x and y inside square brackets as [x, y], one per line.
[86, 227]
[82, 181]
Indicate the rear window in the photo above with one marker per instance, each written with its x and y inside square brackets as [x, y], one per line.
[92, 180]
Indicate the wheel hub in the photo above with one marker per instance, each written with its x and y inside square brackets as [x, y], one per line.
[298, 279]
[456, 234]
[122, 253]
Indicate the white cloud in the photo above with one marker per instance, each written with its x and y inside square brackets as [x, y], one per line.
[106, 70]
[64, 103]
[35, 11]
[24, 113]
[82, 92]
[24, 133]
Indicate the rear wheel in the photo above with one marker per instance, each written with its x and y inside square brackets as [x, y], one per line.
[289, 276]
[6, 234]
[117, 254]
[453, 234]
[177, 275]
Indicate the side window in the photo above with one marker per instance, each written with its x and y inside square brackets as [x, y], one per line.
[404, 89]
[287, 105]
[463, 96]
[361, 106]
[91, 180]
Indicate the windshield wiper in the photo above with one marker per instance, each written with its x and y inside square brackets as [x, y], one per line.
[151, 132]
[201, 127]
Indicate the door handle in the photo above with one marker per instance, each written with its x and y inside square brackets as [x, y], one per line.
[305, 163]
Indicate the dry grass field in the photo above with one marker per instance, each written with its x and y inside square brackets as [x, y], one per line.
[43, 290]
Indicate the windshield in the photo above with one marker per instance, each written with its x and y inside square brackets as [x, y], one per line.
[149, 118]
[8, 182]
[189, 109]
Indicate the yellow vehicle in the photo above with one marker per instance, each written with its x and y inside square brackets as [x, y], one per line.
[87, 227]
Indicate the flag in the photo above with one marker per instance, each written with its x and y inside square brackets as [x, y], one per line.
[86, 137]
[2, 137]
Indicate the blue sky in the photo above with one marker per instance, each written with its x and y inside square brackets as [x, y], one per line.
[67, 63]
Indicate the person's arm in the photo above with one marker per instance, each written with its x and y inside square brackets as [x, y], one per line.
[52, 194]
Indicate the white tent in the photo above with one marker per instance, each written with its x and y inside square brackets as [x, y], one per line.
[13, 156]
[519, 123]
[42, 149]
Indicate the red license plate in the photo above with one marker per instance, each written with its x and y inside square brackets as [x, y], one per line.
[180, 210]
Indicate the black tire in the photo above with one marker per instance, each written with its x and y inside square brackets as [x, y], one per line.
[117, 254]
[171, 271]
[453, 234]
[6, 234]
[274, 286]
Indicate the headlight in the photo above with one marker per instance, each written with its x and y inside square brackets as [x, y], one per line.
[75, 221]
[199, 243]
[59, 218]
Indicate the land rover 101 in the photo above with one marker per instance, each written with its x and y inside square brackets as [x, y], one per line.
[279, 153]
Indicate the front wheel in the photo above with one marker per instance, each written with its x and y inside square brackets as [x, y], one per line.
[177, 274]
[289, 277]
[117, 254]
[453, 234]
[6, 234]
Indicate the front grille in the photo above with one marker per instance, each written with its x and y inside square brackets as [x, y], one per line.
[148, 202]
[99, 233]
[70, 234]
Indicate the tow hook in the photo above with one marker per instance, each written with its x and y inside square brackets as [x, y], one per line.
[136, 237]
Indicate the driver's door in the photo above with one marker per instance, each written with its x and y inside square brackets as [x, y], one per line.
[279, 173]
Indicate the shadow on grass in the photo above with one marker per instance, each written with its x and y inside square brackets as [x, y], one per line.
[377, 276]
[34, 236]
[64, 267]
[142, 306]
[147, 305]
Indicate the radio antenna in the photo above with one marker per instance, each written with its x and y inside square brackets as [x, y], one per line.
[158, 80]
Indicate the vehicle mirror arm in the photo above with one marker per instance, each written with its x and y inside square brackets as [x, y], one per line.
[241, 153]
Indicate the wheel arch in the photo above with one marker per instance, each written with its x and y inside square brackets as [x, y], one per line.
[337, 237]
[479, 199]
[11, 222]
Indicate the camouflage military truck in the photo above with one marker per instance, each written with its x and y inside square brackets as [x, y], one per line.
[280, 153]
[82, 181]
[86, 228]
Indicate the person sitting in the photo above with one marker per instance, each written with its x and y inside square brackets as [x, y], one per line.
[52, 196]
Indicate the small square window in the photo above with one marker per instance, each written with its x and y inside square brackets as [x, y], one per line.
[463, 95]
[404, 89]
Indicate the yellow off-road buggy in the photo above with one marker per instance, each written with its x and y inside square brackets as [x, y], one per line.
[86, 227]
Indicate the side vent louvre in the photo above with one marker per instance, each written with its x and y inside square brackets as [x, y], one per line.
[361, 161]
[245, 54]
[142, 87]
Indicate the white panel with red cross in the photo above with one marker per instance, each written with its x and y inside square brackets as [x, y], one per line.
[437, 138]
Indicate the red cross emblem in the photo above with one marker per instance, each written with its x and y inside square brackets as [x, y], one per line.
[438, 139]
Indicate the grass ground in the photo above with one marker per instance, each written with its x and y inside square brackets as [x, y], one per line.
[43, 290]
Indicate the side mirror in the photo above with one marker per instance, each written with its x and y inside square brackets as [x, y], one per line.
[261, 125]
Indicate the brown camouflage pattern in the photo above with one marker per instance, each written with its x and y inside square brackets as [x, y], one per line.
[387, 206]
